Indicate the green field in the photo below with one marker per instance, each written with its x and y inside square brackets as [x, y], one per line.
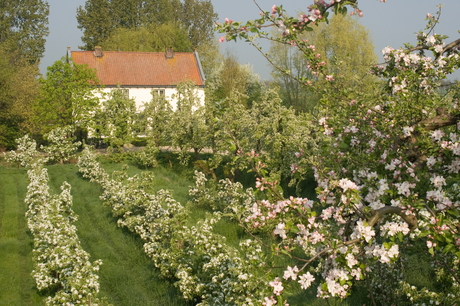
[127, 276]
[18, 286]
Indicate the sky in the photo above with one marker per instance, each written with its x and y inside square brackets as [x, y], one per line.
[391, 24]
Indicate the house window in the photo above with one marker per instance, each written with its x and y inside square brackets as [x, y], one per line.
[123, 91]
[160, 92]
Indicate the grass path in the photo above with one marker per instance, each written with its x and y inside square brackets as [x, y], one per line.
[127, 275]
[16, 283]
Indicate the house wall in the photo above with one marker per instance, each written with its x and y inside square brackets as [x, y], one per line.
[144, 95]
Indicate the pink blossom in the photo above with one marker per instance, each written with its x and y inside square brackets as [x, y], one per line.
[346, 184]
[269, 301]
[291, 273]
[221, 40]
[277, 286]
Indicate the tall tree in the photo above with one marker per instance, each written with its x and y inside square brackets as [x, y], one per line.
[349, 53]
[24, 26]
[231, 78]
[154, 38]
[100, 17]
[187, 122]
[95, 21]
[66, 96]
[198, 17]
[117, 119]
[18, 88]
[291, 91]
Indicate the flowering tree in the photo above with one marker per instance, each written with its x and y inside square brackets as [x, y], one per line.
[386, 167]
[153, 122]
[187, 124]
[116, 119]
[61, 146]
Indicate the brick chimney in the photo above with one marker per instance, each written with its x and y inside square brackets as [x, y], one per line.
[98, 51]
[169, 53]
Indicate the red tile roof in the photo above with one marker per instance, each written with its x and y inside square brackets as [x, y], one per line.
[142, 68]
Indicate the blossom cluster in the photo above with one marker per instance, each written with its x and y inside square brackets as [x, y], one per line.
[61, 146]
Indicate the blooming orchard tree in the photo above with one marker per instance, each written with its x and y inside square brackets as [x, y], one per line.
[187, 122]
[153, 122]
[116, 119]
[61, 146]
[386, 169]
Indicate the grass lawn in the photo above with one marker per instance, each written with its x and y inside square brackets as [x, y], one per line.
[16, 243]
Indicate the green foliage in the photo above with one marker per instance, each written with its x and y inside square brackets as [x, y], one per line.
[349, 53]
[24, 26]
[61, 145]
[199, 18]
[153, 122]
[232, 79]
[154, 119]
[66, 97]
[153, 38]
[18, 89]
[190, 22]
[116, 119]
[187, 125]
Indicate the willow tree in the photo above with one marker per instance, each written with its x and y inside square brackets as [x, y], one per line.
[345, 47]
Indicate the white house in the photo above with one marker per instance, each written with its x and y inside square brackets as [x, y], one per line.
[138, 73]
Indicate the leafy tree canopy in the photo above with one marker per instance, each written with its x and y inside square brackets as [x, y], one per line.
[99, 19]
[153, 38]
[18, 88]
[345, 47]
[66, 96]
[24, 26]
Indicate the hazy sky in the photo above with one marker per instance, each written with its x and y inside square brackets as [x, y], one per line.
[391, 24]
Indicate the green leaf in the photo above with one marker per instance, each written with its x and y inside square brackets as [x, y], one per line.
[431, 251]
[447, 248]
[424, 234]
[286, 253]
[452, 212]
[344, 11]
[400, 236]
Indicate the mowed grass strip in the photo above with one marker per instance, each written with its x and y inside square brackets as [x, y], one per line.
[16, 283]
[127, 276]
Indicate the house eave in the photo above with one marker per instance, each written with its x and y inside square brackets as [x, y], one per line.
[145, 86]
